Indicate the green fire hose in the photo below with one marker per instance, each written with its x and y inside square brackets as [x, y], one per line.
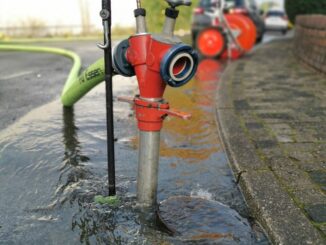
[76, 86]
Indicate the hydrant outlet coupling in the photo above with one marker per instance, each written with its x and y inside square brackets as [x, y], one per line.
[119, 61]
[179, 65]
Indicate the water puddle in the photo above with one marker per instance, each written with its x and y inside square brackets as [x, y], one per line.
[53, 163]
[204, 221]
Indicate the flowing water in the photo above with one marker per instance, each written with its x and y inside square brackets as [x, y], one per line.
[53, 163]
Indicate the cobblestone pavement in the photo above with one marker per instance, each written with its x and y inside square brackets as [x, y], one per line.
[272, 115]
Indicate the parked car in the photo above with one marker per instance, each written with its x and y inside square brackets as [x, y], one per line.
[247, 7]
[276, 20]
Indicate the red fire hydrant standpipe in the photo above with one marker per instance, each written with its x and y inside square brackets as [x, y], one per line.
[156, 60]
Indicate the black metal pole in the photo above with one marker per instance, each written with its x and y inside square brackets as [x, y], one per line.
[106, 16]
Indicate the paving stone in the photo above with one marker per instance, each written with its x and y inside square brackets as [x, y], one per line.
[262, 144]
[246, 116]
[270, 151]
[283, 132]
[272, 204]
[261, 135]
[259, 105]
[318, 177]
[279, 162]
[309, 131]
[323, 229]
[303, 154]
[254, 125]
[317, 212]
[277, 115]
[308, 195]
[296, 181]
[241, 105]
[319, 151]
[282, 114]
[241, 146]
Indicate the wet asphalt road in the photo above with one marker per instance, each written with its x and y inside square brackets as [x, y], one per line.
[29, 80]
[273, 35]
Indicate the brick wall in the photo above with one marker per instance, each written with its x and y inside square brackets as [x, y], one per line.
[310, 40]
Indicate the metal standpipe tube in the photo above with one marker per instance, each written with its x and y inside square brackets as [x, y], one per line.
[148, 165]
[140, 15]
[141, 25]
[169, 25]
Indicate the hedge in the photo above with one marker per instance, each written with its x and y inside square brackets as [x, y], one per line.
[155, 14]
[299, 7]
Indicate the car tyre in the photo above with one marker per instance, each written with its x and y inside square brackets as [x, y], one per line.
[259, 39]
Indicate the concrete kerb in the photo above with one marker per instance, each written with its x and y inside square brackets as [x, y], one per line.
[268, 202]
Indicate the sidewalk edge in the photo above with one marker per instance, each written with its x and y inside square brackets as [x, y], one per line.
[268, 202]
